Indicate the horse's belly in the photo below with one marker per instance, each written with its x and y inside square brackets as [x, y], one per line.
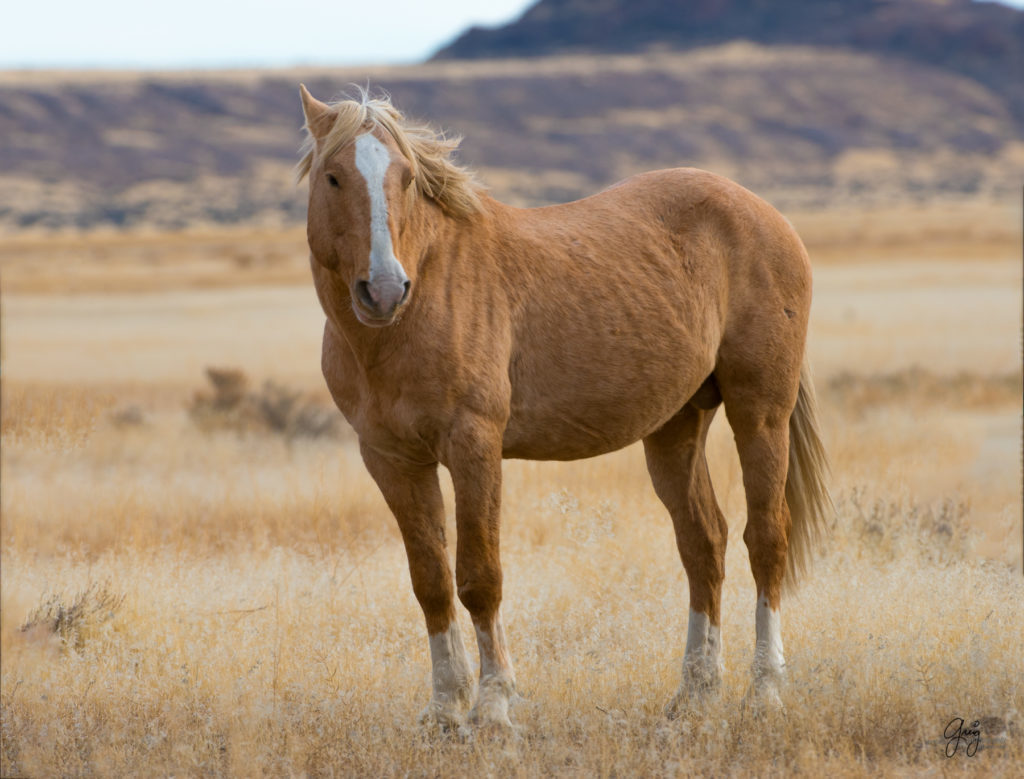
[567, 439]
[601, 362]
[595, 416]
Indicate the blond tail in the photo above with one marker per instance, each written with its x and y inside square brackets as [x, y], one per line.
[807, 493]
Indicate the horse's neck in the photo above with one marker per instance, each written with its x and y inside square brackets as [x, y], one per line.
[470, 254]
[492, 261]
[491, 240]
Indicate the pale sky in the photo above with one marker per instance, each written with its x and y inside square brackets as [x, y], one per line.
[225, 33]
[220, 33]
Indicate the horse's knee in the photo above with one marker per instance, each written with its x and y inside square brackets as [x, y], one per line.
[436, 602]
[766, 537]
[480, 593]
[766, 528]
[432, 586]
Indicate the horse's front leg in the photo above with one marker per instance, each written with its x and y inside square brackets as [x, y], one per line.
[414, 496]
[474, 459]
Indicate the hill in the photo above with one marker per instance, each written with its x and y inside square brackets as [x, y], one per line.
[805, 127]
[981, 40]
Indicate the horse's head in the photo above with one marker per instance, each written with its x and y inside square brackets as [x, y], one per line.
[359, 199]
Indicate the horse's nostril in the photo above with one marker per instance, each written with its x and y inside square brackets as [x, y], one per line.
[380, 297]
[363, 291]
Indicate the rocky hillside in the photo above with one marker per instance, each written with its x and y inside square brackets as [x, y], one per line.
[981, 40]
[805, 127]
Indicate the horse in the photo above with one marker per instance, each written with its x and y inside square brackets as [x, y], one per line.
[461, 331]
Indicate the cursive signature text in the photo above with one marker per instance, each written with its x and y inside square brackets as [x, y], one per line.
[957, 735]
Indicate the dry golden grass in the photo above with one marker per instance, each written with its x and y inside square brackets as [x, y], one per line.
[234, 603]
[919, 387]
[229, 257]
[957, 231]
[144, 261]
[268, 627]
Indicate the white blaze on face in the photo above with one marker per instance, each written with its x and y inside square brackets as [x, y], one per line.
[373, 160]
[768, 654]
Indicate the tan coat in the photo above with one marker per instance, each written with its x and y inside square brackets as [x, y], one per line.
[469, 330]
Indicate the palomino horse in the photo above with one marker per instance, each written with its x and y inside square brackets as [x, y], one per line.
[461, 331]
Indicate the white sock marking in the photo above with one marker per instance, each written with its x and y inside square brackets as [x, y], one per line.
[703, 645]
[768, 653]
[449, 665]
[696, 635]
[494, 659]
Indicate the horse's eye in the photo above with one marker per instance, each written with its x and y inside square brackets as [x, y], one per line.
[332, 181]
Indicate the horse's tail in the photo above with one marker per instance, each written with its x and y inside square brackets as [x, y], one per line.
[807, 493]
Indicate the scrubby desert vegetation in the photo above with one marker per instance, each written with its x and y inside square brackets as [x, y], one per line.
[190, 588]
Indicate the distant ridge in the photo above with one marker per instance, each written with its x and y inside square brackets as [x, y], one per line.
[981, 40]
[804, 126]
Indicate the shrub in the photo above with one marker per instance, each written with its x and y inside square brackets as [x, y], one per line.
[275, 408]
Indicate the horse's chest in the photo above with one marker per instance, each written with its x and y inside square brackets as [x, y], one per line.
[390, 420]
[389, 417]
[387, 414]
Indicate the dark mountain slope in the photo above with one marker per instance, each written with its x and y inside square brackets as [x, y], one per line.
[984, 41]
[801, 126]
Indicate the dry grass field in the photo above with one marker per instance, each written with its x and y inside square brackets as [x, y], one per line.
[196, 590]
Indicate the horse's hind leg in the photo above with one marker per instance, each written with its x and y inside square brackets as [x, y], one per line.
[679, 471]
[414, 496]
[759, 400]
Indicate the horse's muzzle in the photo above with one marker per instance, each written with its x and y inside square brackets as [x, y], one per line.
[380, 299]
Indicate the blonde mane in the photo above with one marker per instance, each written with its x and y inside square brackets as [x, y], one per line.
[429, 153]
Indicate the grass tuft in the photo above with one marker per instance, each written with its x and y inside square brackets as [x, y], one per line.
[73, 620]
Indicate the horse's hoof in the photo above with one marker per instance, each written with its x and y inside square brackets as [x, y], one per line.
[674, 708]
[496, 729]
[763, 697]
[491, 716]
[494, 695]
[694, 693]
[444, 719]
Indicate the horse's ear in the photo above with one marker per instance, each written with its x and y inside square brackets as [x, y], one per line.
[319, 116]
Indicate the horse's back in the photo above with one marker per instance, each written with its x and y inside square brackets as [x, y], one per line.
[708, 223]
[628, 295]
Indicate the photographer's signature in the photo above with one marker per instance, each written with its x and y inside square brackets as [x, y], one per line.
[958, 734]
